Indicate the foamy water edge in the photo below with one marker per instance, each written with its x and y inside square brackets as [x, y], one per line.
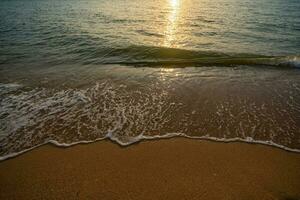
[141, 138]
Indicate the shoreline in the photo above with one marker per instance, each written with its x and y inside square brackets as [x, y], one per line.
[152, 138]
[173, 168]
[224, 103]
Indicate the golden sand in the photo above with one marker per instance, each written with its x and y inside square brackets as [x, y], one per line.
[175, 168]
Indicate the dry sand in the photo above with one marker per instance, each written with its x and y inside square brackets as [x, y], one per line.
[175, 168]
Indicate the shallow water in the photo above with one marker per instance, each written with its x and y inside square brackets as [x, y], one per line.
[78, 71]
[127, 104]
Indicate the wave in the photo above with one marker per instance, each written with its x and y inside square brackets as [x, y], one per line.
[140, 138]
[150, 56]
[89, 53]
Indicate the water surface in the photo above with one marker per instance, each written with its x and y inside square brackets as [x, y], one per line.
[78, 71]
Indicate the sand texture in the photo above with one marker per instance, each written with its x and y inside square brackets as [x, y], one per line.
[174, 168]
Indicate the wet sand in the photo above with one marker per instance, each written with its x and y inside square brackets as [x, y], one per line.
[176, 168]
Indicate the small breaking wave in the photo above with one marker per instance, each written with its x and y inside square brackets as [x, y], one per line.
[164, 57]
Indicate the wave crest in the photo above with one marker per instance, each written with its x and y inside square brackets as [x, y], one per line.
[171, 57]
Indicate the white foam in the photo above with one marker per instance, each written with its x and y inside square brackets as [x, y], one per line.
[139, 138]
[293, 61]
[8, 87]
[106, 104]
[40, 114]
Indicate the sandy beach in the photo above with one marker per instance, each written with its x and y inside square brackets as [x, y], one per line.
[176, 168]
[164, 99]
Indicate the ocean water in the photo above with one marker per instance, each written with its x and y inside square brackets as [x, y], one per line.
[76, 71]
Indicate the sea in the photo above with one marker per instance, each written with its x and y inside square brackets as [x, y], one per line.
[80, 71]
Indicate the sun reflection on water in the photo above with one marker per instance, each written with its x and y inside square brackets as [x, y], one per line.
[174, 3]
[169, 73]
[170, 36]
